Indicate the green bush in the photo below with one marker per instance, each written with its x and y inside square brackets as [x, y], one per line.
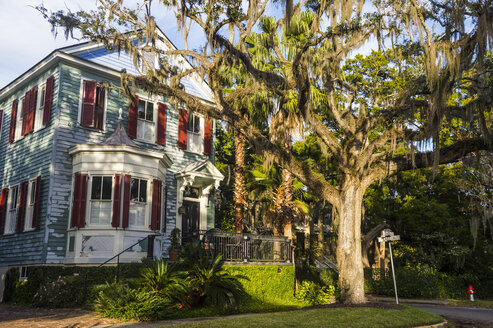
[213, 286]
[314, 294]
[125, 303]
[63, 292]
[420, 282]
[267, 284]
[163, 279]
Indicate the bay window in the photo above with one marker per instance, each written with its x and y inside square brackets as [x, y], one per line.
[138, 203]
[100, 211]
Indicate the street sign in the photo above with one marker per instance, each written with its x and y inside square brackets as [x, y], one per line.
[388, 232]
[389, 238]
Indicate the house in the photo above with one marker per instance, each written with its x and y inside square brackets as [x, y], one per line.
[84, 173]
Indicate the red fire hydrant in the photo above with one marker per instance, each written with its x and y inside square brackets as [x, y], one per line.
[471, 292]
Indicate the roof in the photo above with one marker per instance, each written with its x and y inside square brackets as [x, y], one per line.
[119, 136]
[203, 168]
[98, 56]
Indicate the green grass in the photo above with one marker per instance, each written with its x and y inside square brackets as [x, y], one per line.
[328, 317]
[476, 304]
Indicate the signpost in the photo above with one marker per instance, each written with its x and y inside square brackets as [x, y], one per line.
[388, 236]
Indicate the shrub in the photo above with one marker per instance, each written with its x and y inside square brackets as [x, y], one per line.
[164, 280]
[124, 303]
[313, 293]
[212, 285]
[63, 292]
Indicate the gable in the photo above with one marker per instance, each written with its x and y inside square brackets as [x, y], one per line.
[96, 53]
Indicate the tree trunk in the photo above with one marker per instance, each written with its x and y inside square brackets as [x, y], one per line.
[239, 189]
[349, 244]
[287, 181]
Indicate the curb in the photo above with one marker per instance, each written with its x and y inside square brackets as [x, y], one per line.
[437, 325]
[406, 301]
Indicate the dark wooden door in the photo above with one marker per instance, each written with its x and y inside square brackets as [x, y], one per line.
[190, 218]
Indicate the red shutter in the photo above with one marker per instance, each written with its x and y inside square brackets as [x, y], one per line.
[13, 117]
[80, 200]
[36, 202]
[22, 207]
[88, 104]
[76, 201]
[165, 207]
[48, 100]
[208, 136]
[99, 110]
[156, 204]
[126, 200]
[161, 124]
[83, 200]
[31, 111]
[117, 196]
[182, 129]
[133, 111]
[25, 110]
[3, 208]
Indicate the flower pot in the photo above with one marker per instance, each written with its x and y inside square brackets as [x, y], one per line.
[173, 255]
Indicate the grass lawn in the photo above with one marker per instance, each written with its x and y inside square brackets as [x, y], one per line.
[476, 304]
[327, 317]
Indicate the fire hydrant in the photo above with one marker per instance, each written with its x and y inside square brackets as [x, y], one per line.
[471, 292]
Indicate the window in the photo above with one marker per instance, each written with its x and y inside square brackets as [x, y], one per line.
[93, 104]
[100, 211]
[13, 204]
[23, 273]
[146, 125]
[31, 200]
[195, 138]
[38, 116]
[138, 202]
[20, 114]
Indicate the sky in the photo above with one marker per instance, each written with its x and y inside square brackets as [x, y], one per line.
[26, 37]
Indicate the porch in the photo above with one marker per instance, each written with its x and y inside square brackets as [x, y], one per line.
[244, 247]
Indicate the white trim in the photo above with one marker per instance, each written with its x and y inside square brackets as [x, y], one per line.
[12, 221]
[38, 121]
[89, 200]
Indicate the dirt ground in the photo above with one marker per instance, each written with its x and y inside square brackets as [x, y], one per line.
[16, 316]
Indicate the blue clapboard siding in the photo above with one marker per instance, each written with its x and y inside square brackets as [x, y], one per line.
[122, 60]
[22, 160]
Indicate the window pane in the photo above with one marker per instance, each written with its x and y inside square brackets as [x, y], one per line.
[100, 212]
[107, 181]
[150, 111]
[137, 215]
[190, 123]
[142, 108]
[143, 191]
[134, 190]
[32, 196]
[196, 127]
[42, 97]
[96, 188]
[14, 197]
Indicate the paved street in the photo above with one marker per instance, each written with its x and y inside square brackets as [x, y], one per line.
[483, 317]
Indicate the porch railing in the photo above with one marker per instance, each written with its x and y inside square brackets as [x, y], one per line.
[245, 247]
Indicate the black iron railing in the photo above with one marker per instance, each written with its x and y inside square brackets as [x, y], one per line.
[244, 247]
[150, 251]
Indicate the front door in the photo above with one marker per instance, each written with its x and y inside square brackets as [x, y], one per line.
[190, 220]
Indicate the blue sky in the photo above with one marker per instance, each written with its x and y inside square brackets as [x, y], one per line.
[26, 37]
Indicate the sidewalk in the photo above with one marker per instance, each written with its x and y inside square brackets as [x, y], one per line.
[375, 298]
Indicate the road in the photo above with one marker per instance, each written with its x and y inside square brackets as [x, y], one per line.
[473, 316]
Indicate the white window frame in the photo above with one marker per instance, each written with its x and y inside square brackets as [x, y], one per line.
[136, 203]
[18, 124]
[30, 200]
[195, 140]
[38, 114]
[91, 201]
[23, 273]
[81, 101]
[141, 122]
[11, 217]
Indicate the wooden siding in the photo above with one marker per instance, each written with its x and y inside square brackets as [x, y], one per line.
[22, 160]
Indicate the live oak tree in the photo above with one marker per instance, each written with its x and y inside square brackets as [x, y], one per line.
[370, 130]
